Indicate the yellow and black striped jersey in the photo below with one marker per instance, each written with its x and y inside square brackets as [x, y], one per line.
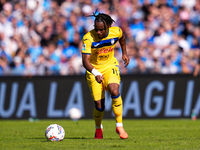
[101, 50]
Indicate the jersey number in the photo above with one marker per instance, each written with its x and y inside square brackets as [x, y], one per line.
[115, 71]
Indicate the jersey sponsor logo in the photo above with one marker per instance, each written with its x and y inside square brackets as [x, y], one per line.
[104, 50]
[103, 57]
[83, 48]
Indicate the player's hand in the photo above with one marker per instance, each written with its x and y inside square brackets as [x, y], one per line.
[125, 59]
[99, 78]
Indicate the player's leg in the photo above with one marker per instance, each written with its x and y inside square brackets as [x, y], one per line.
[98, 95]
[117, 106]
[116, 101]
[113, 83]
[98, 113]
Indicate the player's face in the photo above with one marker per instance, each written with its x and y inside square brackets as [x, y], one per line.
[100, 29]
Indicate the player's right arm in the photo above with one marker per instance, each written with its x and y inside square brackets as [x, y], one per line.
[88, 66]
[86, 62]
[86, 54]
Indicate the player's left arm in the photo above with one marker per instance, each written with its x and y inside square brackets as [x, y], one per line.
[122, 42]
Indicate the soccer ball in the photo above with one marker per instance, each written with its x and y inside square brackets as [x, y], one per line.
[55, 132]
[75, 113]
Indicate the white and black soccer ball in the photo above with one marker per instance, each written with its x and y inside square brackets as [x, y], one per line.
[75, 113]
[55, 132]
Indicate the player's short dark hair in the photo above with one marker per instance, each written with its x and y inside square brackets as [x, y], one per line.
[101, 17]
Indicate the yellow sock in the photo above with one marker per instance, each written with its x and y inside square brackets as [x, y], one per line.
[98, 116]
[117, 107]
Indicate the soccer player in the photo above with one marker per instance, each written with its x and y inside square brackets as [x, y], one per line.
[102, 69]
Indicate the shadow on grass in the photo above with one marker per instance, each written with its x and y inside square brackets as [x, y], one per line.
[77, 138]
[64, 138]
[73, 138]
[92, 138]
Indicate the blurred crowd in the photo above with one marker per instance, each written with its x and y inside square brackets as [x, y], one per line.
[44, 37]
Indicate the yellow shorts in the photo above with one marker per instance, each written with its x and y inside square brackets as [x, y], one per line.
[97, 90]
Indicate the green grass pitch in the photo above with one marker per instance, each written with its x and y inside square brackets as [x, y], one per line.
[152, 134]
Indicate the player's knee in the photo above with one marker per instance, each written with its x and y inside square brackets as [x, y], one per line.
[115, 96]
[114, 92]
[100, 103]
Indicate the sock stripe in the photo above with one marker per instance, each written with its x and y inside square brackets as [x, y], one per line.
[100, 109]
[115, 96]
